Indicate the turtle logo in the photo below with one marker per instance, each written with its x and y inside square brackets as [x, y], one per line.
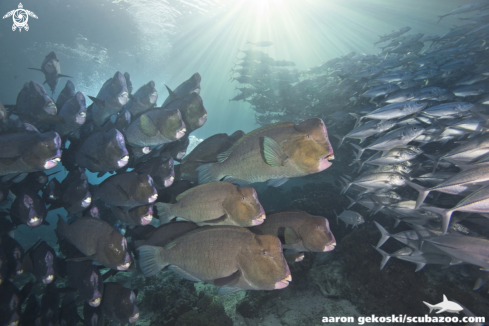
[20, 17]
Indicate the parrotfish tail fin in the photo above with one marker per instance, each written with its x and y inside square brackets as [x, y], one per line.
[385, 235]
[340, 138]
[423, 192]
[429, 306]
[150, 260]
[360, 151]
[164, 212]
[446, 215]
[439, 20]
[434, 158]
[206, 173]
[348, 184]
[385, 257]
[352, 201]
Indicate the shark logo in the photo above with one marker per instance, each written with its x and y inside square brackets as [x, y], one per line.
[445, 305]
[20, 17]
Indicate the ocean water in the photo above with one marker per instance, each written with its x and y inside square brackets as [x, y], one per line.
[167, 41]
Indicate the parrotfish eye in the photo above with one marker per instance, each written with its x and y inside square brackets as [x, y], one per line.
[242, 198]
[111, 246]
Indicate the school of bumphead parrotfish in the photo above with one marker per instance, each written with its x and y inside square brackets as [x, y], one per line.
[420, 107]
[221, 234]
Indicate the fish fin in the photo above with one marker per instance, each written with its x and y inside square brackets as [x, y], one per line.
[340, 138]
[123, 192]
[205, 173]
[36, 69]
[352, 202]
[164, 212]
[171, 94]
[277, 182]
[61, 226]
[182, 273]
[273, 153]
[423, 192]
[385, 234]
[147, 126]
[60, 75]
[98, 102]
[92, 159]
[236, 180]
[455, 261]
[150, 260]
[385, 257]
[218, 220]
[420, 266]
[290, 236]
[336, 216]
[360, 151]
[228, 279]
[295, 258]
[224, 155]
[446, 215]
[227, 290]
[429, 306]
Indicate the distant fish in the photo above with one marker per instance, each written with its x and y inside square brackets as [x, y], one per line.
[52, 71]
[261, 43]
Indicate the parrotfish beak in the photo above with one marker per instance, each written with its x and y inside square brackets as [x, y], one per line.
[34, 221]
[146, 150]
[300, 258]
[259, 220]
[51, 108]
[146, 219]
[127, 263]
[203, 119]
[181, 132]
[324, 162]
[81, 117]
[95, 302]
[123, 161]
[181, 154]
[153, 198]
[283, 283]
[49, 164]
[169, 180]
[134, 318]
[330, 247]
[48, 279]
[87, 201]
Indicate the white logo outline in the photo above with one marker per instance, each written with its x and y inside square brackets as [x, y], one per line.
[445, 305]
[20, 17]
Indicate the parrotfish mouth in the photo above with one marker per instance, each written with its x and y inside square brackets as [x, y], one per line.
[134, 318]
[202, 119]
[48, 279]
[49, 164]
[87, 201]
[324, 162]
[81, 117]
[146, 150]
[123, 161]
[146, 219]
[283, 283]
[300, 258]
[169, 180]
[181, 132]
[123, 98]
[330, 247]
[153, 198]
[259, 220]
[181, 154]
[123, 267]
[51, 108]
[95, 302]
[34, 221]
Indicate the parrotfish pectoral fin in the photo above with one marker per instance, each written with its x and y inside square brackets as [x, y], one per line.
[147, 126]
[273, 153]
